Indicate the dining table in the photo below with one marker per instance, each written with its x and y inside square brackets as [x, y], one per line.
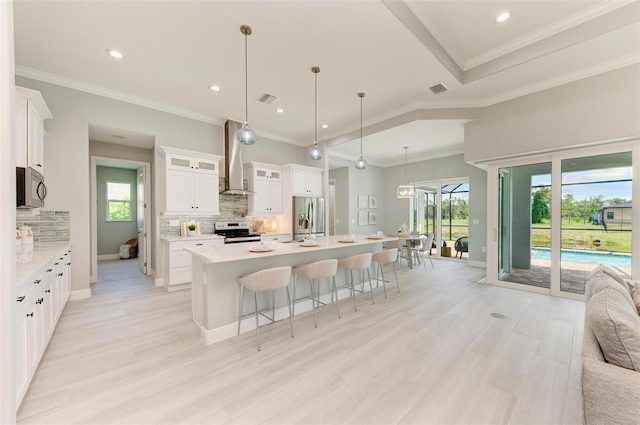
[408, 239]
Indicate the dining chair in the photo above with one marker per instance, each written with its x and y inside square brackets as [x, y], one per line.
[425, 246]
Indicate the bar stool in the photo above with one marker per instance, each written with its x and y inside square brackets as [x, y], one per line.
[319, 270]
[357, 262]
[264, 281]
[382, 257]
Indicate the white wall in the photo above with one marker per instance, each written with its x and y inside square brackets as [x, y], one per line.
[67, 153]
[341, 176]
[112, 234]
[593, 110]
[7, 216]
[397, 211]
[366, 182]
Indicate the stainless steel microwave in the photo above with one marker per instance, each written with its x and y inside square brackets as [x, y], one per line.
[30, 188]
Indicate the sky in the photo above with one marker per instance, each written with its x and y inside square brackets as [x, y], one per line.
[584, 191]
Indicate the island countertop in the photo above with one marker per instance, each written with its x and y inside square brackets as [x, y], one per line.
[242, 251]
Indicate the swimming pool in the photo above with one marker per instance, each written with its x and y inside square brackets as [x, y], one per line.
[595, 258]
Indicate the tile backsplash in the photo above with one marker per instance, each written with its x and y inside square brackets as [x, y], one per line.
[46, 225]
[232, 208]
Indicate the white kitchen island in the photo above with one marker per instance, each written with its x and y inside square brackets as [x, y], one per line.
[215, 292]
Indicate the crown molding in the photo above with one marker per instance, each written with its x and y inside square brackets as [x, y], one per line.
[576, 19]
[417, 157]
[278, 138]
[114, 94]
[565, 79]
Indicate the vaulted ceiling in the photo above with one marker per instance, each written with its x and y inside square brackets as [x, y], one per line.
[391, 50]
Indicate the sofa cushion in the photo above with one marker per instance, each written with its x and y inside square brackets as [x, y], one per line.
[635, 295]
[616, 324]
[600, 280]
[610, 272]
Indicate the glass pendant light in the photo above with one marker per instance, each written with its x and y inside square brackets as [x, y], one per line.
[361, 164]
[246, 135]
[406, 190]
[315, 152]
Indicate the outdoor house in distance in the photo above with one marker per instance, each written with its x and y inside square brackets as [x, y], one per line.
[616, 215]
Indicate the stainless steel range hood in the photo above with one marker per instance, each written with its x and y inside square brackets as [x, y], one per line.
[234, 181]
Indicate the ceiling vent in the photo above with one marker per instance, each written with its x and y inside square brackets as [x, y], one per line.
[267, 98]
[439, 88]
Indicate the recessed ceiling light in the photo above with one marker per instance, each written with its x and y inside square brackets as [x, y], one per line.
[214, 88]
[115, 54]
[117, 136]
[279, 110]
[503, 17]
[325, 125]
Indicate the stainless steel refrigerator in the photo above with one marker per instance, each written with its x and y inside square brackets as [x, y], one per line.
[308, 217]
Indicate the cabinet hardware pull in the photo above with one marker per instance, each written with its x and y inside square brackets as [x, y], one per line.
[20, 299]
[198, 244]
[48, 291]
[49, 270]
[40, 301]
[30, 314]
[65, 255]
[60, 274]
[55, 264]
[68, 264]
[39, 165]
[37, 282]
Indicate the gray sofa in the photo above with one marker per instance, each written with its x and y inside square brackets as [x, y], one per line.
[611, 387]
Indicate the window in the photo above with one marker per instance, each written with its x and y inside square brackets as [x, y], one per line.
[118, 201]
[610, 215]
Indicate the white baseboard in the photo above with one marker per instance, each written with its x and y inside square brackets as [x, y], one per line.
[151, 272]
[474, 263]
[178, 287]
[104, 257]
[158, 281]
[230, 330]
[80, 294]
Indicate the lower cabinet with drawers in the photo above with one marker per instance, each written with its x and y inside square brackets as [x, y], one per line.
[177, 261]
[40, 299]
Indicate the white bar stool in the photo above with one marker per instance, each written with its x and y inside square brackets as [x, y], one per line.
[264, 281]
[319, 270]
[357, 262]
[382, 257]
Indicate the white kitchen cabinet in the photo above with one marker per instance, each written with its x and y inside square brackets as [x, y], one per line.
[30, 111]
[191, 182]
[41, 296]
[266, 181]
[281, 237]
[305, 181]
[177, 261]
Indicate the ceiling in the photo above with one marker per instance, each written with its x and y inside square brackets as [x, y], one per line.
[101, 133]
[392, 50]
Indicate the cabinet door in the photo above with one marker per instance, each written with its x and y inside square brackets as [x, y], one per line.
[180, 162]
[299, 182]
[35, 138]
[205, 193]
[275, 175]
[261, 198]
[314, 183]
[179, 191]
[21, 363]
[206, 166]
[275, 197]
[48, 308]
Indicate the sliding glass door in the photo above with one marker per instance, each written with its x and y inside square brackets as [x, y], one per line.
[557, 219]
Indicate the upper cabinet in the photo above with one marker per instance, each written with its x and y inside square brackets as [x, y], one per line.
[305, 181]
[31, 111]
[266, 181]
[191, 181]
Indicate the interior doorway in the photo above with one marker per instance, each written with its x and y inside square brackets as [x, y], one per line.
[121, 211]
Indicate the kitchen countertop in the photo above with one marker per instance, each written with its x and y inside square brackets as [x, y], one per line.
[236, 252]
[29, 258]
[190, 238]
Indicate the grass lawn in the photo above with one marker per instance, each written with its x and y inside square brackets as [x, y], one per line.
[582, 236]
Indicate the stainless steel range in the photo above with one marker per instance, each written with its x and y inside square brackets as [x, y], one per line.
[236, 232]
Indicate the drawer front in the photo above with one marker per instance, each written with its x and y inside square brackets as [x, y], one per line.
[179, 259]
[180, 275]
[179, 246]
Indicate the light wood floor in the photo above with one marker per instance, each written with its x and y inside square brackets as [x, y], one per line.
[431, 354]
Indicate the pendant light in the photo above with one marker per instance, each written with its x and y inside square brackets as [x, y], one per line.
[315, 152]
[246, 135]
[406, 190]
[361, 164]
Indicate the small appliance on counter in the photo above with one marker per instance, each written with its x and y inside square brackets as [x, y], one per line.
[26, 235]
[30, 188]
